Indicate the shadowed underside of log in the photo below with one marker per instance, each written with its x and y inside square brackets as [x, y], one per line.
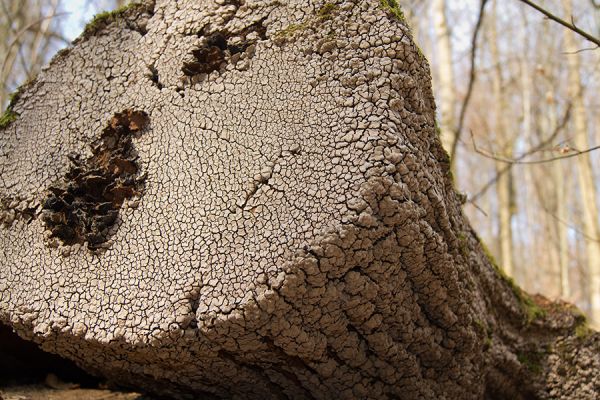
[248, 199]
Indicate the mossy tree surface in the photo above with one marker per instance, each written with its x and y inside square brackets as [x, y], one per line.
[393, 8]
[295, 233]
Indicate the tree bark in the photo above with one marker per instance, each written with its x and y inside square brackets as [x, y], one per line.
[251, 201]
[587, 186]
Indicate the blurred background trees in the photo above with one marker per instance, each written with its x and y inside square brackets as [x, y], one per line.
[32, 31]
[533, 100]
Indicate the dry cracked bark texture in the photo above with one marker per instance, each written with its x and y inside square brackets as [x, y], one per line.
[294, 231]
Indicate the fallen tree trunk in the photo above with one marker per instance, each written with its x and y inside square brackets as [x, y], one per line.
[248, 199]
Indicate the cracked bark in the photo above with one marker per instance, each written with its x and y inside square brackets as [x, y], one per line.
[349, 271]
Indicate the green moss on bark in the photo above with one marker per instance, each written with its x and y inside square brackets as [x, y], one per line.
[105, 18]
[292, 29]
[323, 14]
[393, 8]
[530, 308]
[327, 10]
[7, 118]
[532, 360]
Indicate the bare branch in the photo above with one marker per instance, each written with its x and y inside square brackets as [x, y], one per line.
[472, 78]
[566, 223]
[572, 153]
[531, 151]
[570, 25]
[23, 31]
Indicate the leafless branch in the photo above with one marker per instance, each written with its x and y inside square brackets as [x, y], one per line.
[580, 50]
[570, 25]
[472, 78]
[18, 35]
[572, 153]
[566, 223]
[535, 149]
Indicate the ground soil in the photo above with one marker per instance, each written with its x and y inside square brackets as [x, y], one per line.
[28, 373]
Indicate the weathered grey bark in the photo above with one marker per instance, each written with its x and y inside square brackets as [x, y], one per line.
[286, 226]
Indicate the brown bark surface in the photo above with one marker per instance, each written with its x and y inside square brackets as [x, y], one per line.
[248, 199]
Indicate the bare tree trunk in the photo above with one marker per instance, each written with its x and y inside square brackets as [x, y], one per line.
[561, 228]
[559, 218]
[587, 186]
[503, 141]
[445, 75]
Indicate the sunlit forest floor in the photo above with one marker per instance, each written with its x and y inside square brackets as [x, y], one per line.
[44, 392]
[28, 373]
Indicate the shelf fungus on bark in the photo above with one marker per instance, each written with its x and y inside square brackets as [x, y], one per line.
[221, 47]
[84, 205]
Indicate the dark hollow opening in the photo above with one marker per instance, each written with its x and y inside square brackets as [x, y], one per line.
[22, 362]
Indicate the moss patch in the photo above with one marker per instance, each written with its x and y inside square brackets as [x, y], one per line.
[105, 18]
[463, 244]
[532, 360]
[327, 10]
[7, 118]
[485, 330]
[10, 115]
[392, 7]
[292, 29]
[583, 331]
[582, 328]
[530, 308]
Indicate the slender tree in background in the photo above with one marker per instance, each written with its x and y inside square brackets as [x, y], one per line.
[540, 124]
[558, 184]
[31, 31]
[529, 124]
[504, 142]
[591, 226]
[445, 77]
[29, 35]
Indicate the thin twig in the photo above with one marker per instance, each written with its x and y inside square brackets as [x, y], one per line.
[567, 224]
[580, 50]
[24, 30]
[519, 160]
[570, 25]
[535, 149]
[472, 78]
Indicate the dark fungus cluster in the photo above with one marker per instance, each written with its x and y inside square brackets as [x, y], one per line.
[85, 204]
[217, 50]
[207, 58]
